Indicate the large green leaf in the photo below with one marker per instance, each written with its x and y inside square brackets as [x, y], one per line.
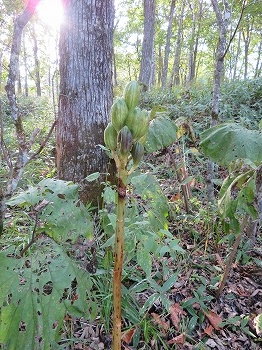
[157, 207]
[227, 142]
[60, 212]
[35, 294]
[161, 133]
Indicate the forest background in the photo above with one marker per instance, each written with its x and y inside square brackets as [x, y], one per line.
[200, 64]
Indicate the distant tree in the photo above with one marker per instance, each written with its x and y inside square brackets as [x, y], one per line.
[167, 46]
[147, 61]
[86, 46]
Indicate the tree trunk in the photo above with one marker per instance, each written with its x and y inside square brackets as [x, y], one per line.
[193, 47]
[86, 46]
[25, 67]
[175, 75]
[16, 170]
[37, 63]
[237, 56]
[147, 61]
[222, 21]
[258, 64]
[168, 39]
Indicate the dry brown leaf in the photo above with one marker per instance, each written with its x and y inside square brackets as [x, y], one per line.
[209, 330]
[176, 311]
[127, 336]
[214, 319]
[159, 321]
[180, 339]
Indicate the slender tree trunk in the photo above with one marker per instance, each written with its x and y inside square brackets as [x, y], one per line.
[1, 69]
[25, 67]
[237, 56]
[37, 63]
[168, 39]
[86, 94]
[147, 61]
[175, 75]
[222, 21]
[16, 169]
[193, 47]
[257, 70]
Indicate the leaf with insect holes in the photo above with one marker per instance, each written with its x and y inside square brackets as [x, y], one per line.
[40, 290]
[228, 142]
[161, 133]
[63, 217]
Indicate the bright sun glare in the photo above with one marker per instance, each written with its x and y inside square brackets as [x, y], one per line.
[51, 12]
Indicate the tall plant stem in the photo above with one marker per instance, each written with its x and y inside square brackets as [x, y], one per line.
[119, 254]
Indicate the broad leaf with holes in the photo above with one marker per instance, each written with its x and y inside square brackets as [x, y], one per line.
[228, 142]
[161, 133]
[61, 214]
[36, 293]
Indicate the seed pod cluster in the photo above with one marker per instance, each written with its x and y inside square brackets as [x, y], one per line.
[127, 130]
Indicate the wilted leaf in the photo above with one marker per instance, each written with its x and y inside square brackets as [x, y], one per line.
[258, 324]
[214, 319]
[180, 339]
[176, 312]
[160, 322]
[127, 336]
[209, 330]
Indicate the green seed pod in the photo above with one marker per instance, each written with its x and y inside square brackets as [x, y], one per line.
[125, 140]
[110, 137]
[137, 153]
[119, 112]
[132, 94]
[138, 121]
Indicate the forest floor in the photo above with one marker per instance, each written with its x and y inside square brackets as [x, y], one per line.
[198, 318]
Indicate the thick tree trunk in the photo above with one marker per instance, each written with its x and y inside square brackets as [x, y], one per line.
[86, 46]
[168, 39]
[147, 61]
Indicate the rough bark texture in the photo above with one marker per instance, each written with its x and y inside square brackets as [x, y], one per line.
[86, 46]
[147, 62]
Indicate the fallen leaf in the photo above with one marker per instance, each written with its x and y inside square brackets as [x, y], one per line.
[209, 330]
[176, 311]
[127, 336]
[258, 324]
[180, 339]
[214, 319]
[159, 321]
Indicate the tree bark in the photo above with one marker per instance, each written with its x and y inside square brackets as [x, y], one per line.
[147, 61]
[86, 94]
[37, 63]
[25, 66]
[193, 47]
[168, 39]
[16, 169]
[175, 78]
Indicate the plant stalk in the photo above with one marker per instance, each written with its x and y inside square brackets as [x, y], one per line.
[119, 254]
